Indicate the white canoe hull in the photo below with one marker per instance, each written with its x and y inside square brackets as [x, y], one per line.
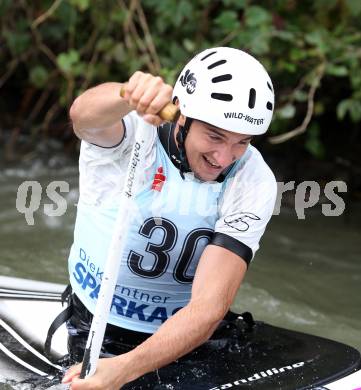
[29, 307]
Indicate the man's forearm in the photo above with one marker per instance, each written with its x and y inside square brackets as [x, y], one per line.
[98, 107]
[180, 334]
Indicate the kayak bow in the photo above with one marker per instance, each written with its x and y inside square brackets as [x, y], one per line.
[263, 356]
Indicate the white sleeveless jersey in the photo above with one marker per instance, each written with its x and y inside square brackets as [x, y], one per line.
[172, 221]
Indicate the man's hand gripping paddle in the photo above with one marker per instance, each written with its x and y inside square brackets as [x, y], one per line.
[135, 169]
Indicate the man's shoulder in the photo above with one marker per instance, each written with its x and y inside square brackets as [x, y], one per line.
[131, 121]
[251, 175]
[253, 167]
[103, 170]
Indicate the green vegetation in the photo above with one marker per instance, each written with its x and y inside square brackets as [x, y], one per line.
[52, 50]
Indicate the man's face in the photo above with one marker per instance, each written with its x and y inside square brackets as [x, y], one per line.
[210, 150]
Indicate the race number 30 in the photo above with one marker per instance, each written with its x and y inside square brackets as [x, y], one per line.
[160, 252]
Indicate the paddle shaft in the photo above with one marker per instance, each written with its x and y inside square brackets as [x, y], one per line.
[110, 275]
[135, 169]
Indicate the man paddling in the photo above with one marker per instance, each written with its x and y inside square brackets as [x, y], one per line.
[205, 200]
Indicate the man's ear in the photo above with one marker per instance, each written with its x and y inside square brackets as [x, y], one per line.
[181, 120]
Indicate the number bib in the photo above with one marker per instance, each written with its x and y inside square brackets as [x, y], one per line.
[172, 221]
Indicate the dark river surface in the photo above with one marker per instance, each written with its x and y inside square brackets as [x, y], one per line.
[306, 276]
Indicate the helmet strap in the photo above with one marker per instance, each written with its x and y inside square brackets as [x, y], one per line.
[181, 138]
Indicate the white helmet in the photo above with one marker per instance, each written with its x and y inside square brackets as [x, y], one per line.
[227, 88]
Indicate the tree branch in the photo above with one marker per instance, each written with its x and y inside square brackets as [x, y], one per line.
[148, 37]
[12, 67]
[46, 14]
[131, 33]
[278, 139]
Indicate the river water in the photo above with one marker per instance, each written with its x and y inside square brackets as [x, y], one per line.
[306, 276]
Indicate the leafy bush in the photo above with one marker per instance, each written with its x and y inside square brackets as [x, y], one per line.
[51, 51]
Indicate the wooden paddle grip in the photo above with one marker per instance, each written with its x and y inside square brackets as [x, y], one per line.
[169, 112]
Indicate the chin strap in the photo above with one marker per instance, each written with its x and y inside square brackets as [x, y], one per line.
[181, 138]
